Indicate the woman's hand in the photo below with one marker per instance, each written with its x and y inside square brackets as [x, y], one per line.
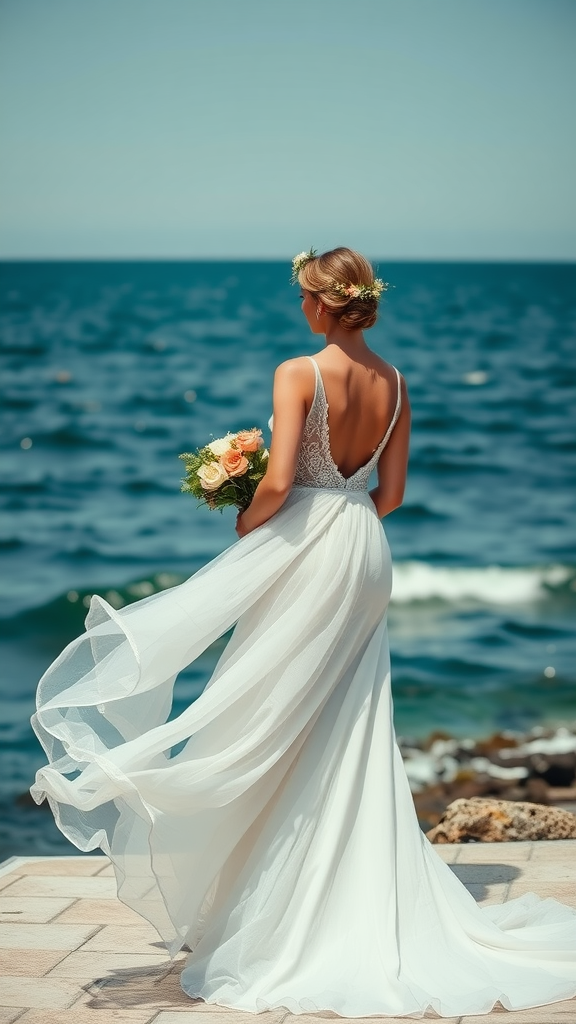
[241, 529]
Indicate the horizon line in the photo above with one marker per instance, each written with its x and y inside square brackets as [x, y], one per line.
[565, 260]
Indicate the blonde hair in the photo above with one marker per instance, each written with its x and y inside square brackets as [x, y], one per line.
[341, 267]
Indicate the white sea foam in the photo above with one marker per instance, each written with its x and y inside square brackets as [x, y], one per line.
[445, 758]
[494, 584]
[563, 742]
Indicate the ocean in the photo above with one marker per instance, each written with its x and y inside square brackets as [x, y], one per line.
[110, 369]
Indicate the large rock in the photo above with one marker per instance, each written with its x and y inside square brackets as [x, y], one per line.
[501, 821]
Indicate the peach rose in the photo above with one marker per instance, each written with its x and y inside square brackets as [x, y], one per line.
[233, 462]
[249, 440]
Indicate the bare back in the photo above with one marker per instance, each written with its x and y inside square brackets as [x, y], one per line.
[337, 416]
[361, 397]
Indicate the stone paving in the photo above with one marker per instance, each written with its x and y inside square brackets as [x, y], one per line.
[71, 953]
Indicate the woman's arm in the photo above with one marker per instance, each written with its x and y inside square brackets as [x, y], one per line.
[393, 463]
[292, 385]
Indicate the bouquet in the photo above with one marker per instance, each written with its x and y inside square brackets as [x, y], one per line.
[226, 471]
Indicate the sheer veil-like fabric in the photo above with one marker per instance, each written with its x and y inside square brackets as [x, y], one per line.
[270, 827]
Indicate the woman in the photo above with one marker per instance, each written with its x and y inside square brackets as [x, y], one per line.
[270, 827]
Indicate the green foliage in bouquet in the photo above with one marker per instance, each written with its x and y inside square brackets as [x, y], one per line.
[227, 470]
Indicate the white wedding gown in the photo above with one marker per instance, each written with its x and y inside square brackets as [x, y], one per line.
[270, 827]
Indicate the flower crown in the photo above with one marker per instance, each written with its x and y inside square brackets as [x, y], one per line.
[351, 291]
[362, 291]
[300, 261]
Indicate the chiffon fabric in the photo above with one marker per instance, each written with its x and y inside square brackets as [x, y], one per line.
[270, 827]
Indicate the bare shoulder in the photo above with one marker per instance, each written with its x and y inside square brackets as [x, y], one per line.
[405, 409]
[392, 374]
[294, 369]
[385, 368]
[389, 370]
[295, 379]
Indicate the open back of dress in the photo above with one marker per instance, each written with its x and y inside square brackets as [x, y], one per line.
[315, 466]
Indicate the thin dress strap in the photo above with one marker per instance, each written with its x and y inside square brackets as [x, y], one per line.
[319, 392]
[394, 420]
[317, 373]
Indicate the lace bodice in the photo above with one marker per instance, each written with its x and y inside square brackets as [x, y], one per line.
[315, 466]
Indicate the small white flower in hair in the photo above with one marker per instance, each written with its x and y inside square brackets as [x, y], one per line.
[300, 261]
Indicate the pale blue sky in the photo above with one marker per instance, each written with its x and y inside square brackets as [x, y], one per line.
[405, 128]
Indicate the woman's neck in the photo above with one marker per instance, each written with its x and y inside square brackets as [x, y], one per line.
[351, 342]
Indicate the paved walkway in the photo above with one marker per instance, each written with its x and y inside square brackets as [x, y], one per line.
[71, 953]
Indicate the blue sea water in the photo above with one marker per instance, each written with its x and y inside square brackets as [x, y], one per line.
[109, 370]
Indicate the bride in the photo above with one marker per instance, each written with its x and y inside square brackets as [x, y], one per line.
[270, 827]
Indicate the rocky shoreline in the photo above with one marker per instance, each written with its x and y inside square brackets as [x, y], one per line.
[506, 787]
[538, 767]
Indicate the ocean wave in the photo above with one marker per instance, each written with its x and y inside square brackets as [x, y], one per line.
[414, 583]
[418, 511]
[493, 584]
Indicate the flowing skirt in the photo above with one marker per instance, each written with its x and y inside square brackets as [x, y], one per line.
[270, 827]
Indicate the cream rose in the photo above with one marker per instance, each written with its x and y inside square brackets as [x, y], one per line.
[249, 440]
[221, 444]
[212, 475]
[233, 462]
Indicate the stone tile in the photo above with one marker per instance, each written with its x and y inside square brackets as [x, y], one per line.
[8, 879]
[486, 874]
[431, 1017]
[107, 871]
[554, 1013]
[8, 1014]
[205, 1016]
[548, 871]
[448, 852]
[26, 910]
[66, 887]
[20, 962]
[314, 1018]
[214, 1014]
[68, 866]
[155, 986]
[133, 938]
[100, 912]
[83, 1015]
[488, 894]
[100, 965]
[495, 853]
[564, 892]
[557, 849]
[199, 1012]
[38, 936]
[39, 993]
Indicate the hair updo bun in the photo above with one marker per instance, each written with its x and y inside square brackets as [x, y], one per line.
[328, 275]
[359, 315]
